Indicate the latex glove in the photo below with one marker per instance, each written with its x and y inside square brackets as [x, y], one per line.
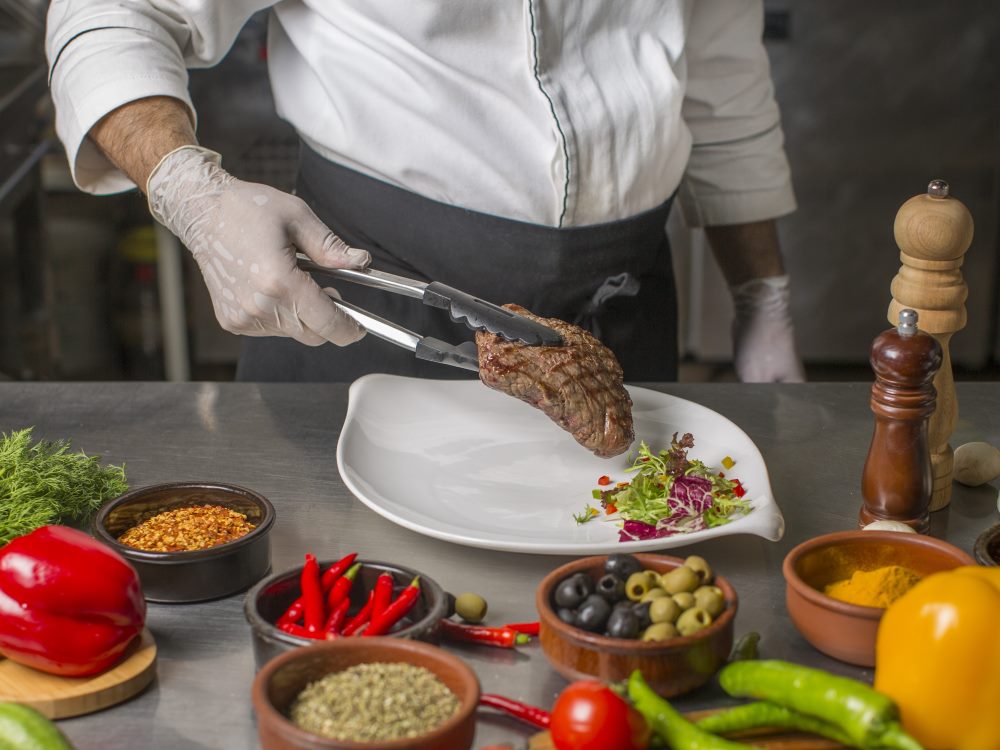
[244, 237]
[763, 339]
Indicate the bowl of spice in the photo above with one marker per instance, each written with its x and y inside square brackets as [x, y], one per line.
[190, 541]
[366, 694]
[276, 606]
[839, 585]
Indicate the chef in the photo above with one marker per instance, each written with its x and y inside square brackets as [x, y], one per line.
[524, 151]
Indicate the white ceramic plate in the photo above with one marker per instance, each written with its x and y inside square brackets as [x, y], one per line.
[458, 461]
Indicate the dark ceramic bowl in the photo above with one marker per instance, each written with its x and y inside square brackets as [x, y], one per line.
[199, 575]
[987, 547]
[673, 667]
[847, 631]
[280, 680]
[269, 599]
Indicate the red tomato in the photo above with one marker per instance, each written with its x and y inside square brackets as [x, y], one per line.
[589, 716]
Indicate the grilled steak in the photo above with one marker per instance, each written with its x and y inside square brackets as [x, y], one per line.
[578, 385]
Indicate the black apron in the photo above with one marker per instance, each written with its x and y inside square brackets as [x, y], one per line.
[613, 279]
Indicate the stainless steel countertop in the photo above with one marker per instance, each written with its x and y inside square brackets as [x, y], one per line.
[281, 440]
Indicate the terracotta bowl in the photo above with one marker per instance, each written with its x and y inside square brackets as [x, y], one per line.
[672, 667]
[198, 575]
[847, 631]
[283, 678]
[266, 602]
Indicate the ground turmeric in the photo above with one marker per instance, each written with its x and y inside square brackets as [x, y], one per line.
[874, 588]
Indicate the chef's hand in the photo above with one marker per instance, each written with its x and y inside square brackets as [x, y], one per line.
[763, 339]
[244, 237]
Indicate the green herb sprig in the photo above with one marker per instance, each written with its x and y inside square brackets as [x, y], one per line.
[44, 483]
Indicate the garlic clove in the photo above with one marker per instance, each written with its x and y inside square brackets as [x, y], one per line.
[976, 464]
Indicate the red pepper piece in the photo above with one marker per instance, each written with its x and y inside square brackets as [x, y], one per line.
[361, 618]
[610, 508]
[312, 595]
[382, 593]
[501, 637]
[69, 605]
[536, 717]
[341, 588]
[528, 628]
[297, 608]
[396, 610]
[336, 618]
[604, 481]
[739, 490]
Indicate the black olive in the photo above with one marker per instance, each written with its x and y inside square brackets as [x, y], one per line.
[611, 587]
[585, 580]
[623, 623]
[641, 612]
[567, 615]
[622, 565]
[572, 591]
[593, 614]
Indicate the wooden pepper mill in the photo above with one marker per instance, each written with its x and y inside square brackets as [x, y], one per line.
[933, 232]
[897, 481]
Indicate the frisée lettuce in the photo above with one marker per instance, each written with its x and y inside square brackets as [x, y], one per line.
[669, 494]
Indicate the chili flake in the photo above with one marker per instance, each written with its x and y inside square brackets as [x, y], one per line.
[189, 528]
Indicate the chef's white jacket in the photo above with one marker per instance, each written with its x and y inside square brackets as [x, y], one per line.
[555, 112]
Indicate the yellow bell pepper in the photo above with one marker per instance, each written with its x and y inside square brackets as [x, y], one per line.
[938, 657]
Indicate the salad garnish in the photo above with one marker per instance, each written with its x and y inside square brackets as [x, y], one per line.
[669, 494]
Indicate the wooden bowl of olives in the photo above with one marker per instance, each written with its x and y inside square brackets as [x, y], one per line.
[600, 617]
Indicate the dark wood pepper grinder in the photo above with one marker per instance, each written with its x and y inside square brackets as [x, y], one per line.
[897, 481]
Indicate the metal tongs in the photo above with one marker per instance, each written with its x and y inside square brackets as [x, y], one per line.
[477, 314]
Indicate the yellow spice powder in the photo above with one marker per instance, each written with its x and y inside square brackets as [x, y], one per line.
[874, 588]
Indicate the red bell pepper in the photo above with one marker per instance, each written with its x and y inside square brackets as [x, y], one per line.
[68, 604]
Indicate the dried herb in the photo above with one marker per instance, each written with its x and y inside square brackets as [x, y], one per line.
[44, 483]
[374, 702]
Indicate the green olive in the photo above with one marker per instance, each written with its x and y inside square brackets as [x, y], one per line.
[685, 599]
[664, 610]
[693, 620]
[637, 585]
[653, 576]
[653, 594]
[680, 579]
[660, 631]
[470, 607]
[700, 566]
[711, 599]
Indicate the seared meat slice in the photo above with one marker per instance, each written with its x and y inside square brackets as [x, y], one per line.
[578, 385]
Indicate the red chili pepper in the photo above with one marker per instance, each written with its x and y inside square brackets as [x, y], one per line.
[396, 610]
[528, 628]
[336, 618]
[382, 593]
[502, 637]
[330, 575]
[739, 490]
[292, 629]
[361, 618]
[341, 588]
[536, 717]
[312, 595]
[604, 481]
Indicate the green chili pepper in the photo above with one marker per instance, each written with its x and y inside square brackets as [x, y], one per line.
[764, 714]
[746, 647]
[679, 733]
[866, 716]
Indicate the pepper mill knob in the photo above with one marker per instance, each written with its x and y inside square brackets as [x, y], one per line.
[897, 481]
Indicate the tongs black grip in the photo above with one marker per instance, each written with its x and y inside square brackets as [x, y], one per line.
[481, 315]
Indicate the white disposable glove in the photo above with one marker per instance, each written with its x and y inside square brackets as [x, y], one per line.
[763, 339]
[244, 237]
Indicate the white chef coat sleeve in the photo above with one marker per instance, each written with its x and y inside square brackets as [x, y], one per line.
[105, 53]
[738, 171]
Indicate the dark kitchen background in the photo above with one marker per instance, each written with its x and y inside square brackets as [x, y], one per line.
[877, 99]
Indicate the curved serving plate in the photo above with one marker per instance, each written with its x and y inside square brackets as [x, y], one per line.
[457, 461]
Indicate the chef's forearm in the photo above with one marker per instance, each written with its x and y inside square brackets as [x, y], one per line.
[746, 251]
[137, 135]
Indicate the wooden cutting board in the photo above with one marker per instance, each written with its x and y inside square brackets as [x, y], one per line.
[59, 697]
[765, 739]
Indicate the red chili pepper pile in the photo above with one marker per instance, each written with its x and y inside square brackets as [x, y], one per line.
[321, 612]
